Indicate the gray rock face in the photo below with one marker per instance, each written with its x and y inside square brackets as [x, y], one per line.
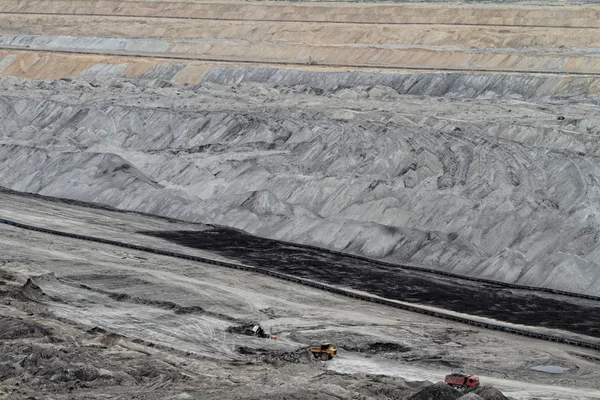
[504, 190]
[457, 85]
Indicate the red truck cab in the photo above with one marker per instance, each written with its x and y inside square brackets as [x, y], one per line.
[462, 380]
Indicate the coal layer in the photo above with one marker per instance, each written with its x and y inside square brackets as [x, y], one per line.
[396, 283]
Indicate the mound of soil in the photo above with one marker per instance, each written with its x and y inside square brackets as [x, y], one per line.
[14, 328]
[55, 365]
[31, 291]
[380, 347]
[300, 356]
[489, 393]
[28, 292]
[471, 396]
[439, 391]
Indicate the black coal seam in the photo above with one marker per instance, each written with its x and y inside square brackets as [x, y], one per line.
[318, 285]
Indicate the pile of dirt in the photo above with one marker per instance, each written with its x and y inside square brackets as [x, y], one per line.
[471, 396]
[14, 328]
[29, 292]
[380, 347]
[300, 356]
[382, 387]
[302, 394]
[351, 342]
[490, 393]
[45, 364]
[439, 391]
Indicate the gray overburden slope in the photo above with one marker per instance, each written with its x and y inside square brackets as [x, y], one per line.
[502, 189]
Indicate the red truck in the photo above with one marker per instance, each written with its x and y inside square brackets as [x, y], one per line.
[462, 381]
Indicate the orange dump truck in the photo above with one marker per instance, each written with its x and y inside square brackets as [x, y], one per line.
[324, 351]
[462, 381]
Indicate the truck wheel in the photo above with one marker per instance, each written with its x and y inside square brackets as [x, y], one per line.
[324, 356]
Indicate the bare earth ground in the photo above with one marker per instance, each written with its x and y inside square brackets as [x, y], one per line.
[485, 169]
[161, 329]
[461, 137]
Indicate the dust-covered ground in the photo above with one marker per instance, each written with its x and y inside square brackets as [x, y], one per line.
[97, 321]
[487, 169]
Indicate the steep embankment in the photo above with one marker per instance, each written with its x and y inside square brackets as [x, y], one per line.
[453, 48]
[519, 14]
[502, 190]
[478, 38]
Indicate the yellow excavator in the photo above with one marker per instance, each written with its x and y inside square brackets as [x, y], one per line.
[324, 351]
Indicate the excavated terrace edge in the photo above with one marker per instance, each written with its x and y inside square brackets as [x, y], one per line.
[289, 20]
[318, 285]
[259, 62]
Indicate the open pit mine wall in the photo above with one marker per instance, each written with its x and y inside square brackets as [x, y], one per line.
[383, 13]
[494, 208]
[450, 84]
[455, 84]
